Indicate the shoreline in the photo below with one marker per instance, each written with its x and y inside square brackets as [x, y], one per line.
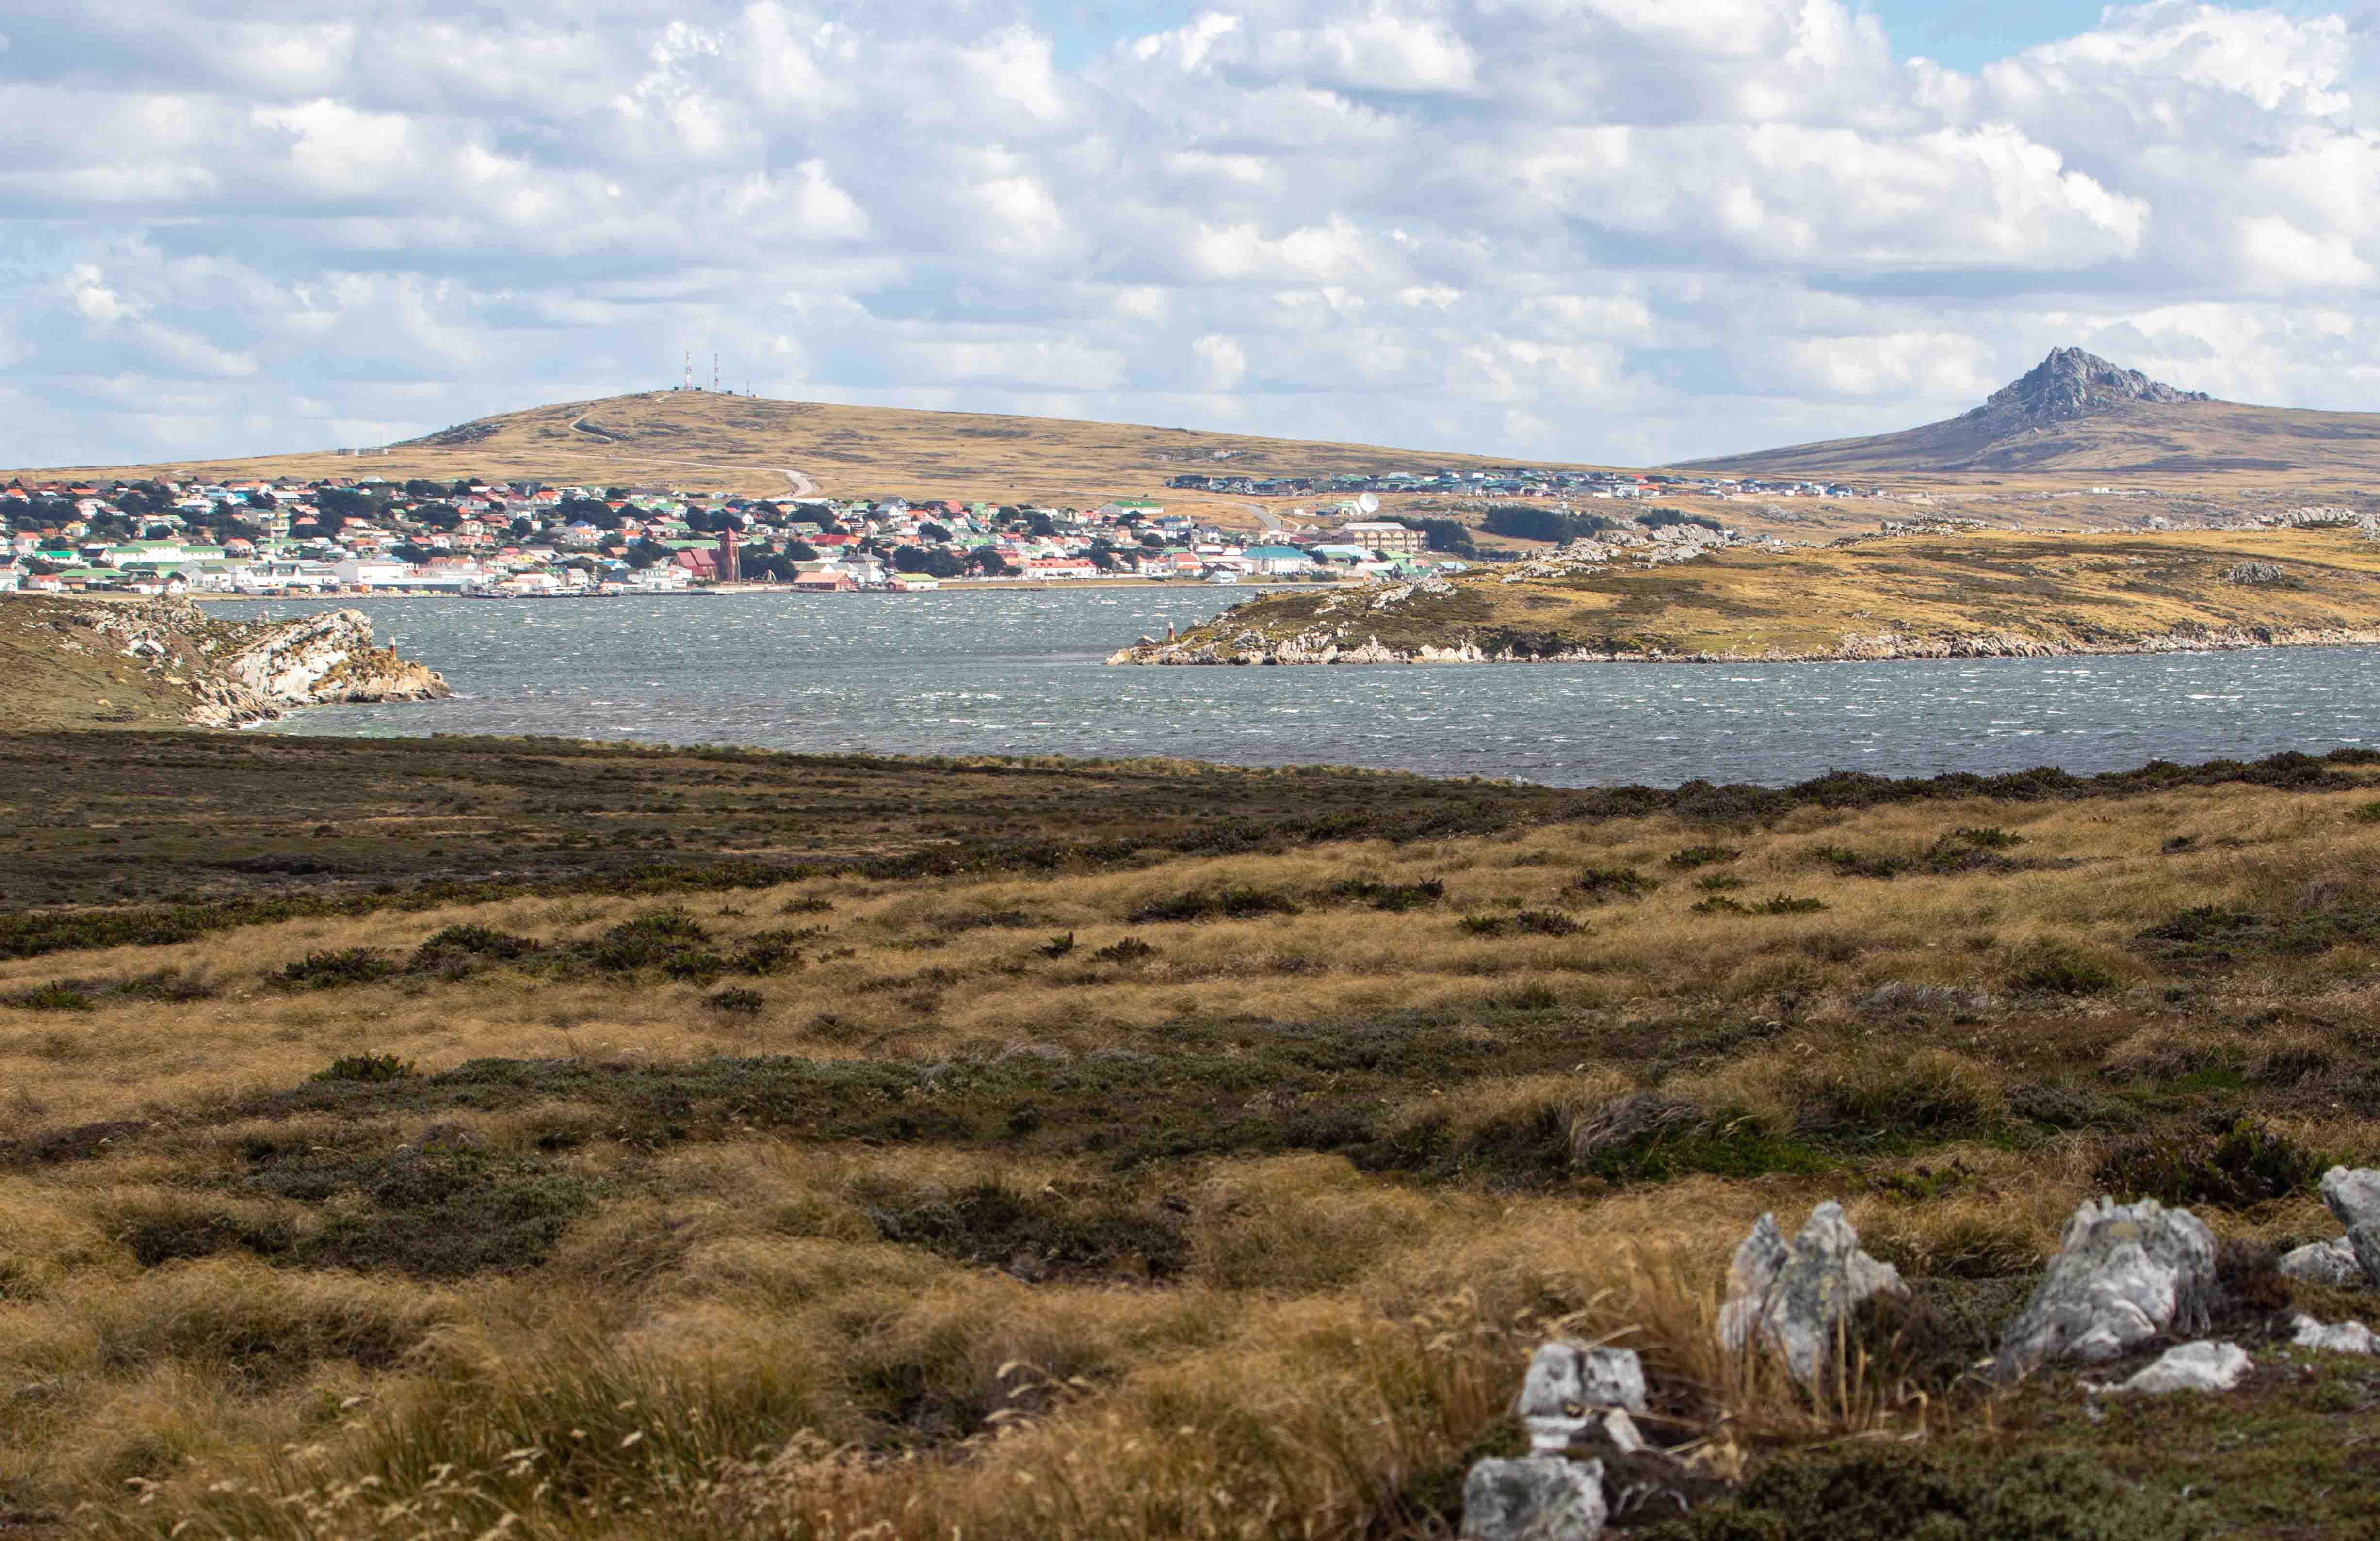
[947, 587]
[1887, 649]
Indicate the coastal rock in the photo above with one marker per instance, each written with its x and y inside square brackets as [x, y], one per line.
[2123, 1274]
[1252, 647]
[2341, 1338]
[2353, 1196]
[247, 672]
[1569, 1387]
[1533, 1497]
[2203, 1366]
[1794, 1298]
[2331, 1263]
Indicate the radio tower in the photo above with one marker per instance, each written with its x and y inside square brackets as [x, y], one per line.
[688, 384]
[714, 374]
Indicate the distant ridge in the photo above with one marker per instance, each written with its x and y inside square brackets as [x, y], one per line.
[2075, 412]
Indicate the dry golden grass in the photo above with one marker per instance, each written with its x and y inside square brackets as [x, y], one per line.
[1284, 1282]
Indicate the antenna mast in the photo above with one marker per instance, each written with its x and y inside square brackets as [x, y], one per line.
[714, 374]
[688, 384]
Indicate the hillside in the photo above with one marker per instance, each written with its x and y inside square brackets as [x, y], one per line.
[1904, 597]
[2078, 415]
[701, 439]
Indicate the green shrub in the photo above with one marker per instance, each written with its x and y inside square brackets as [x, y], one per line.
[367, 1067]
[1776, 904]
[58, 995]
[767, 952]
[458, 951]
[1694, 856]
[736, 998]
[1130, 949]
[2058, 968]
[1057, 947]
[349, 966]
[1901, 1494]
[1233, 904]
[1392, 897]
[2242, 1165]
[805, 904]
[1538, 923]
[1718, 882]
[1600, 884]
[652, 939]
[992, 1221]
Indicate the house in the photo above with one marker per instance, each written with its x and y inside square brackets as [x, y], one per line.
[1060, 567]
[823, 581]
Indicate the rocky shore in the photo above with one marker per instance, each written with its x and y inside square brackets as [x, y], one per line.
[1327, 646]
[159, 662]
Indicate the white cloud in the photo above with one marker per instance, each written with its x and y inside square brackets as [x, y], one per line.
[1593, 229]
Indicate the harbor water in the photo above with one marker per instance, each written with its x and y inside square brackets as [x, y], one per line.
[1021, 672]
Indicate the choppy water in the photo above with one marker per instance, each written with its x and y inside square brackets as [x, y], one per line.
[1019, 672]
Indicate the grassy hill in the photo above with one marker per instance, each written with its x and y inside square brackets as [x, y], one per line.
[2075, 415]
[1914, 595]
[2155, 441]
[752, 444]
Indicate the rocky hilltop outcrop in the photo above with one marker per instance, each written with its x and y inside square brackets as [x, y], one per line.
[2071, 383]
[158, 662]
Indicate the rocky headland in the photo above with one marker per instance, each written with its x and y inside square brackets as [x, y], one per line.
[164, 662]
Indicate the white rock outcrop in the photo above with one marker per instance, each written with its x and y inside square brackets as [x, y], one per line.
[2353, 1196]
[2203, 1366]
[251, 672]
[2123, 1274]
[2340, 1338]
[1533, 1497]
[1571, 1388]
[2331, 1263]
[1796, 1298]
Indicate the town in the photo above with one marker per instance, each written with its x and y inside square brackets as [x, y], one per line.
[507, 539]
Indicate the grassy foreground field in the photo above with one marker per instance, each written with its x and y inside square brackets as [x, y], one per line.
[837, 1147]
[1905, 596]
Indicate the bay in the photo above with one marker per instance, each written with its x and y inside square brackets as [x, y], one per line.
[1020, 673]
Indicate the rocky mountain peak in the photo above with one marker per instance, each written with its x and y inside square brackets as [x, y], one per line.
[2071, 383]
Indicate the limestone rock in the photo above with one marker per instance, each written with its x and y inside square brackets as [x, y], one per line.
[1533, 1497]
[2353, 1195]
[1794, 1298]
[2202, 1367]
[2123, 1273]
[2331, 1263]
[2343, 1338]
[1570, 1384]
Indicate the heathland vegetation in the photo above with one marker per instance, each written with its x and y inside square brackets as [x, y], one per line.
[834, 1146]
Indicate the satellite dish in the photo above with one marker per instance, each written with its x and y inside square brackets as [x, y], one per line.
[1369, 504]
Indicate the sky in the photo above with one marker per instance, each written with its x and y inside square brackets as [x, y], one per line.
[1615, 231]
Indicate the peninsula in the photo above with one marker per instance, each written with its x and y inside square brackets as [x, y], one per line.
[1942, 593]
